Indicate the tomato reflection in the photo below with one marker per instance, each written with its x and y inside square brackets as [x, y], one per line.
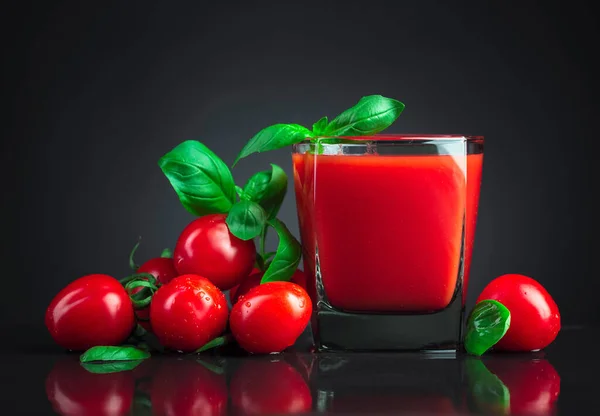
[188, 387]
[72, 390]
[263, 385]
[513, 385]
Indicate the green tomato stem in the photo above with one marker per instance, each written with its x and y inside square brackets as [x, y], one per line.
[132, 264]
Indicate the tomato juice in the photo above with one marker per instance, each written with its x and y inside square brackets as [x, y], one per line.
[388, 225]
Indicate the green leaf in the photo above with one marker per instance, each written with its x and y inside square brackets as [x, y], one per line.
[489, 393]
[372, 114]
[113, 353]
[268, 188]
[246, 219]
[166, 253]
[200, 178]
[486, 325]
[287, 257]
[274, 137]
[319, 126]
[240, 192]
[111, 367]
[217, 342]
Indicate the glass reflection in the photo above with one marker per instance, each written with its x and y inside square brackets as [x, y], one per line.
[386, 383]
[293, 383]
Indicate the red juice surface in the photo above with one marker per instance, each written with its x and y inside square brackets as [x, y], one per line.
[388, 228]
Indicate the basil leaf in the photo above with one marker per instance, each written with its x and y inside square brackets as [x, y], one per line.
[287, 257]
[216, 342]
[274, 137]
[486, 325]
[200, 178]
[370, 115]
[319, 126]
[113, 353]
[487, 390]
[268, 189]
[246, 219]
[111, 367]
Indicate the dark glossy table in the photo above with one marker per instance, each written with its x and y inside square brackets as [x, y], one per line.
[559, 380]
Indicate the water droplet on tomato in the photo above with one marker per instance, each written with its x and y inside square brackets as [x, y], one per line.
[207, 298]
[248, 304]
[302, 303]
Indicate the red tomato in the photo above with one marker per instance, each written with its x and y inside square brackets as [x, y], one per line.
[207, 248]
[270, 317]
[160, 267]
[92, 310]
[254, 280]
[72, 390]
[261, 387]
[163, 269]
[535, 320]
[186, 387]
[188, 312]
[233, 290]
[534, 385]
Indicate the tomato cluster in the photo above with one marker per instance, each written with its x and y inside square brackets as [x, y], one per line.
[181, 299]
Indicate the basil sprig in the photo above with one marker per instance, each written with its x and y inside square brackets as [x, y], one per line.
[205, 184]
[486, 325]
[372, 114]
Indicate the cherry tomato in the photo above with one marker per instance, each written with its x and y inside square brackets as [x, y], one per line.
[535, 319]
[270, 317]
[160, 267]
[207, 248]
[267, 387]
[186, 387]
[92, 310]
[163, 269]
[72, 390]
[534, 385]
[188, 312]
[233, 290]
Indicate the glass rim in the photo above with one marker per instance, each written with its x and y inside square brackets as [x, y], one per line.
[401, 137]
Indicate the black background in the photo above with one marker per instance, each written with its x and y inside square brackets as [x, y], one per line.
[98, 91]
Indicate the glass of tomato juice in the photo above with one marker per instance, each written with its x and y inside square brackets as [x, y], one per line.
[387, 224]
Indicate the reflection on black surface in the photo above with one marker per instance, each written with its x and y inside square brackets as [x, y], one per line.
[72, 390]
[265, 385]
[504, 384]
[387, 383]
[188, 387]
[303, 383]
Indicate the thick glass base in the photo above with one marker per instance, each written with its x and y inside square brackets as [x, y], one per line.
[438, 332]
